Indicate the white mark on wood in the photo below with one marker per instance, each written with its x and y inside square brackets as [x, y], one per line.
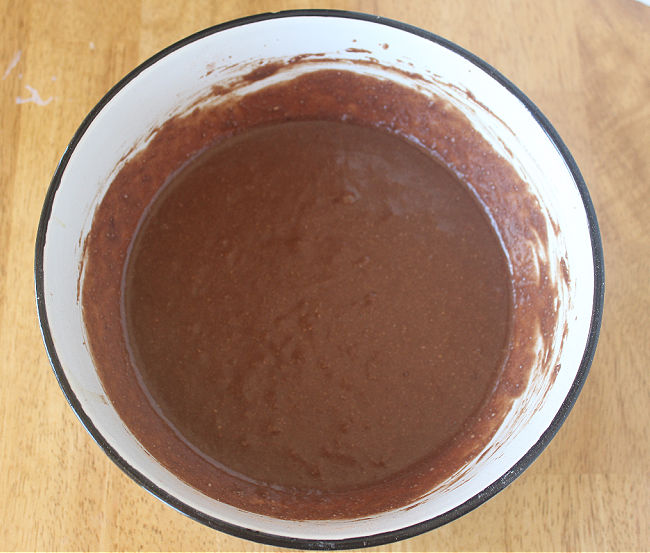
[34, 98]
[91, 45]
[13, 63]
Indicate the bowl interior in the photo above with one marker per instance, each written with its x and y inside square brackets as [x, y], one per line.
[178, 77]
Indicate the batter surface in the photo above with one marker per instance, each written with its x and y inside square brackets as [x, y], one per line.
[298, 308]
[317, 306]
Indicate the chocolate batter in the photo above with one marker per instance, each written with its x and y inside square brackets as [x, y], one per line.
[317, 305]
[297, 305]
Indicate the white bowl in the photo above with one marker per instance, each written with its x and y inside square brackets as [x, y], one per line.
[507, 119]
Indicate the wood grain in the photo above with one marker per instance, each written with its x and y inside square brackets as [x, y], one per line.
[585, 63]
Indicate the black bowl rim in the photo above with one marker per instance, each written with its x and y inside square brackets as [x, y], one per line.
[362, 541]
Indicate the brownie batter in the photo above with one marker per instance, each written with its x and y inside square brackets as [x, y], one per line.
[317, 305]
[297, 302]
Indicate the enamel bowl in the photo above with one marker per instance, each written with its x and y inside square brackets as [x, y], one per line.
[173, 79]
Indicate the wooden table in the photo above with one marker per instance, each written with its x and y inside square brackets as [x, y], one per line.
[586, 65]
